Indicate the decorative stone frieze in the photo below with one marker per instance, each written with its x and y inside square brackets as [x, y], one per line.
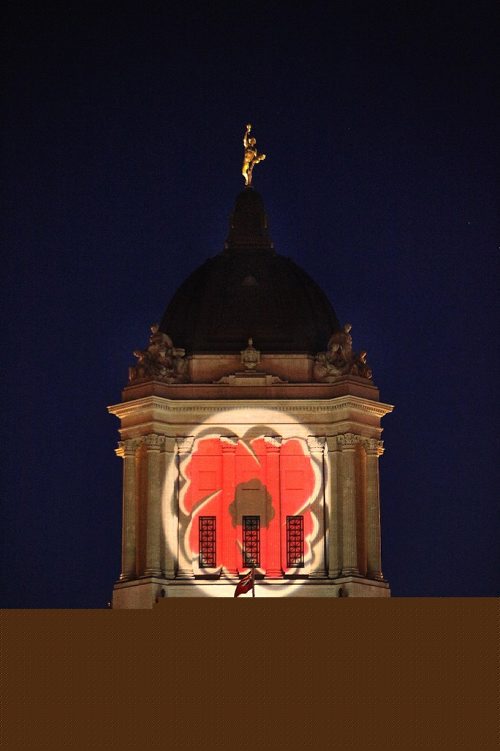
[339, 359]
[160, 361]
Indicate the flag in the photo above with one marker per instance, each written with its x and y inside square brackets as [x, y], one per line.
[245, 584]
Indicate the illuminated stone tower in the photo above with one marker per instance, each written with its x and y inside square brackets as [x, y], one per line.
[250, 436]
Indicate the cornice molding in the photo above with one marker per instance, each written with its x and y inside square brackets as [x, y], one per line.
[290, 406]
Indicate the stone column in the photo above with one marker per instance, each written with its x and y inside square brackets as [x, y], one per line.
[348, 443]
[230, 562]
[153, 445]
[127, 449]
[374, 449]
[316, 446]
[273, 551]
[184, 563]
[169, 514]
[334, 498]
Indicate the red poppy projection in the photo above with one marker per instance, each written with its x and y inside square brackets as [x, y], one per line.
[249, 502]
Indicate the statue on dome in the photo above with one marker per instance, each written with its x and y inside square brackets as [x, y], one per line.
[339, 359]
[161, 361]
[250, 157]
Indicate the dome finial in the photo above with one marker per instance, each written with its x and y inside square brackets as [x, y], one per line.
[250, 157]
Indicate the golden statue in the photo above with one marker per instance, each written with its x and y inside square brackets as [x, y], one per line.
[250, 157]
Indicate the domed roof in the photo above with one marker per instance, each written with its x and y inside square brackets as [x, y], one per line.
[246, 291]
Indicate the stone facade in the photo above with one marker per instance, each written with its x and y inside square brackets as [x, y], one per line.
[338, 439]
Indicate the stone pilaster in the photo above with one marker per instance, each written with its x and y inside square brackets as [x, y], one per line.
[334, 502]
[316, 446]
[127, 450]
[374, 449]
[153, 444]
[184, 564]
[230, 562]
[273, 448]
[348, 443]
[170, 514]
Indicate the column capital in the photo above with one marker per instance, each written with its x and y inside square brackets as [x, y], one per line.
[316, 443]
[169, 444]
[153, 441]
[348, 441]
[332, 444]
[228, 443]
[184, 444]
[273, 443]
[128, 447]
[373, 446]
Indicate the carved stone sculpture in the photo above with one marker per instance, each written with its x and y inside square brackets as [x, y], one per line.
[250, 357]
[339, 359]
[360, 366]
[161, 361]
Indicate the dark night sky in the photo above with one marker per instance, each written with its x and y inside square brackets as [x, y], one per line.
[121, 161]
